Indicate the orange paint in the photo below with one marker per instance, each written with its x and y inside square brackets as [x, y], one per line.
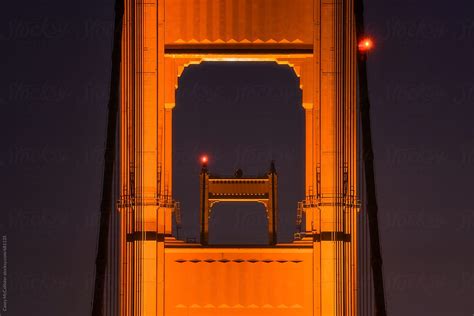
[164, 276]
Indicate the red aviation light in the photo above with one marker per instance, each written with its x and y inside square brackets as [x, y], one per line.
[366, 45]
[204, 159]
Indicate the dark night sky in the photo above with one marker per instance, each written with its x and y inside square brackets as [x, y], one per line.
[55, 68]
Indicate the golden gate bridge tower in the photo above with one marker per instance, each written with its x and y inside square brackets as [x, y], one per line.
[153, 273]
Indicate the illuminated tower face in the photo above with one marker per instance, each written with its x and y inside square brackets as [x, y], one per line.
[312, 276]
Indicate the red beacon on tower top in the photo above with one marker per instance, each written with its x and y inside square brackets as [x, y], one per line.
[365, 45]
[204, 159]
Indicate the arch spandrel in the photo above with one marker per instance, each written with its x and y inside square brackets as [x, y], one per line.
[301, 65]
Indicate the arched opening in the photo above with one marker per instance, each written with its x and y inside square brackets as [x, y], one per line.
[242, 223]
[242, 115]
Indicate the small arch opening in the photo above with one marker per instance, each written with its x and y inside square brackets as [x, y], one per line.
[238, 223]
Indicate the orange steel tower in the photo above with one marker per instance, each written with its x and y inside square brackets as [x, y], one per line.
[315, 274]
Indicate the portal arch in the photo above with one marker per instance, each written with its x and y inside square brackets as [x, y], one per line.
[160, 39]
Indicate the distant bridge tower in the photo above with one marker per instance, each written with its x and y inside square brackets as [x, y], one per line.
[314, 275]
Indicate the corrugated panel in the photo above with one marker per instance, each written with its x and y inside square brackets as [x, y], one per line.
[236, 282]
[215, 22]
